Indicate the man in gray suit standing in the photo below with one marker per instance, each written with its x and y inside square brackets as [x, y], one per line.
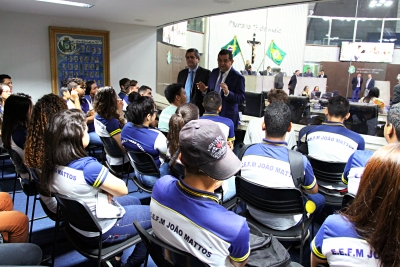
[278, 81]
[369, 84]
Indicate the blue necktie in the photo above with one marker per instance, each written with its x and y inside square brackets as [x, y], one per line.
[218, 87]
[188, 85]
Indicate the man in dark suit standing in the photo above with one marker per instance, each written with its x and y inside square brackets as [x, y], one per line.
[322, 74]
[293, 82]
[194, 79]
[369, 84]
[230, 83]
[278, 80]
[356, 86]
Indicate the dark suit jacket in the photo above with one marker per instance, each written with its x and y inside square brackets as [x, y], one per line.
[236, 96]
[196, 96]
[325, 76]
[278, 81]
[371, 84]
[354, 82]
[293, 82]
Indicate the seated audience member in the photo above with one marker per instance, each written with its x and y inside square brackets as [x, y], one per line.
[17, 113]
[222, 235]
[373, 98]
[67, 97]
[255, 133]
[331, 141]
[78, 98]
[109, 120]
[124, 86]
[313, 93]
[133, 86]
[90, 91]
[43, 110]
[144, 90]
[67, 132]
[5, 92]
[184, 113]
[273, 152]
[367, 232]
[138, 136]
[176, 96]
[212, 104]
[306, 92]
[6, 79]
[13, 224]
[355, 166]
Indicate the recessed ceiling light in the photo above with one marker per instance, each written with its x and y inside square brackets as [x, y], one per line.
[223, 1]
[69, 3]
[388, 3]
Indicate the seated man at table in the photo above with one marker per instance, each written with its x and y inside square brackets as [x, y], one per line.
[255, 134]
[332, 141]
[186, 214]
[267, 164]
[355, 166]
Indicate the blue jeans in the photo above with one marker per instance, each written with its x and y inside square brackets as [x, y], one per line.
[356, 92]
[148, 180]
[95, 139]
[124, 229]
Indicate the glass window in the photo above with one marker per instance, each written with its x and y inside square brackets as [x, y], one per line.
[369, 30]
[196, 25]
[342, 30]
[317, 31]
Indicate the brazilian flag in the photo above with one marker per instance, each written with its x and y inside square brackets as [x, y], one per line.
[275, 53]
[233, 46]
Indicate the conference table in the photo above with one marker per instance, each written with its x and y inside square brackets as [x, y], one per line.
[372, 143]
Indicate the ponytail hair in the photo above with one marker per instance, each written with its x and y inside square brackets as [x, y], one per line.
[185, 113]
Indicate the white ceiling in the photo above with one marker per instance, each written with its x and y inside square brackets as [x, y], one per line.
[142, 12]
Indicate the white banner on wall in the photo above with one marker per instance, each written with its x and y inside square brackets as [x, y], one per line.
[255, 31]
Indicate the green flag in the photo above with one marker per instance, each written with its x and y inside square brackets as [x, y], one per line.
[275, 53]
[233, 46]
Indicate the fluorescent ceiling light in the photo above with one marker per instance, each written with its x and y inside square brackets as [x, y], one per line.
[388, 3]
[379, 4]
[69, 3]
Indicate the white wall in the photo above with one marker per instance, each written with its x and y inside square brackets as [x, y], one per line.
[25, 52]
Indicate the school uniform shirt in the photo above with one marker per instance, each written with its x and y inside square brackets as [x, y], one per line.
[70, 104]
[331, 141]
[192, 221]
[18, 139]
[109, 128]
[225, 124]
[82, 179]
[268, 164]
[354, 169]
[142, 138]
[86, 107]
[338, 242]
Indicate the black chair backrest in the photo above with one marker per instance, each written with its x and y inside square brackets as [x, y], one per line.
[77, 214]
[111, 147]
[273, 200]
[19, 164]
[255, 104]
[330, 172]
[165, 255]
[143, 163]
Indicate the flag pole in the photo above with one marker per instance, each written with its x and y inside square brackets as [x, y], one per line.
[265, 55]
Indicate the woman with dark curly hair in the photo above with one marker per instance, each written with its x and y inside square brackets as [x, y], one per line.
[109, 121]
[367, 232]
[43, 110]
